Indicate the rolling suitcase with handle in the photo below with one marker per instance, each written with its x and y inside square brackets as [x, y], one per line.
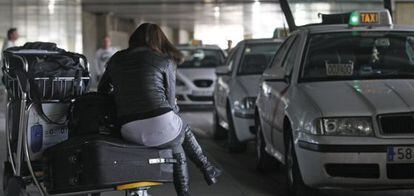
[99, 162]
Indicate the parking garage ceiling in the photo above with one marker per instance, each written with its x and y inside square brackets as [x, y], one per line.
[185, 14]
[182, 14]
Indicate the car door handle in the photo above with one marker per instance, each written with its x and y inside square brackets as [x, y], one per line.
[268, 92]
[266, 89]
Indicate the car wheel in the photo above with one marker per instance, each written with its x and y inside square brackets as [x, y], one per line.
[296, 186]
[233, 143]
[219, 132]
[263, 160]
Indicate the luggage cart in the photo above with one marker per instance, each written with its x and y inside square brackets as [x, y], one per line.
[18, 98]
[20, 170]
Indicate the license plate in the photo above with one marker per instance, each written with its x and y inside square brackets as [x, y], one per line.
[202, 93]
[398, 154]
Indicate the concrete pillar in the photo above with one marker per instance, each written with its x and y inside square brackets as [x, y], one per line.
[90, 29]
[96, 27]
[403, 13]
[168, 31]
[183, 36]
[103, 26]
[89, 36]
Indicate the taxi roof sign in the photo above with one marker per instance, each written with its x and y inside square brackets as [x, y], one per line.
[370, 18]
[196, 42]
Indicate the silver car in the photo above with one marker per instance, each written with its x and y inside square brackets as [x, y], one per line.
[236, 90]
[196, 76]
[336, 106]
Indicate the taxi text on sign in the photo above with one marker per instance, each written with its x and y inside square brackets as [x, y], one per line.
[370, 18]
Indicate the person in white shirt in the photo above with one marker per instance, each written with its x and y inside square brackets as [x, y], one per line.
[102, 56]
[12, 37]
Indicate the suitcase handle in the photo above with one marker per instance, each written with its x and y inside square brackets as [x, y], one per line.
[162, 161]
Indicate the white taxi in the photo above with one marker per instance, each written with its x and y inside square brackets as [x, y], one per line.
[337, 106]
[196, 75]
[236, 90]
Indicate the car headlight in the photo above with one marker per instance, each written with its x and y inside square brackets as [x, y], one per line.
[179, 83]
[245, 104]
[358, 126]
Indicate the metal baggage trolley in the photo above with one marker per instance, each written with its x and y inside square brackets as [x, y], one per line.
[20, 169]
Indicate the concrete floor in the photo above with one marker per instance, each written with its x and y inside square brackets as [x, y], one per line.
[240, 177]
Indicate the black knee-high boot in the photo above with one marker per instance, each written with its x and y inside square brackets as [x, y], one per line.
[180, 173]
[195, 153]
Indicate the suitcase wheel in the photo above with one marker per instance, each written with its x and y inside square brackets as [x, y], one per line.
[7, 174]
[137, 185]
[16, 187]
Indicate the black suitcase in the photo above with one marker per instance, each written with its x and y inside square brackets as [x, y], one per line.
[99, 162]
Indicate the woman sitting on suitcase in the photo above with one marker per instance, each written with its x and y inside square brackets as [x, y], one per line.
[142, 79]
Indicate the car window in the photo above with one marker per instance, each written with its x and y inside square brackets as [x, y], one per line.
[359, 55]
[201, 58]
[256, 57]
[232, 58]
[280, 55]
[292, 56]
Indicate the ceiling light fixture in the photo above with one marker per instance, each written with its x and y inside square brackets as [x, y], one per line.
[217, 11]
[51, 6]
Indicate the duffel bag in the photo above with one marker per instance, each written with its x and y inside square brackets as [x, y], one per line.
[56, 66]
[50, 76]
[42, 46]
[62, 64]
[44, 70]
[93, 113]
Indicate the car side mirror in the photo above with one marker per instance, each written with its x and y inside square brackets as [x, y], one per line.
[276, 78]
[222, 70]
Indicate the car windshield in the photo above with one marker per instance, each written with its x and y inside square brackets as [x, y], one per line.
[256, 57]
[201, 58]
[359, 55]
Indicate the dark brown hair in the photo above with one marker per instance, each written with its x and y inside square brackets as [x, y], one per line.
[10, 32]
[151, 36]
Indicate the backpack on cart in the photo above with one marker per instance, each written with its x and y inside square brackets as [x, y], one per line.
[93, 113]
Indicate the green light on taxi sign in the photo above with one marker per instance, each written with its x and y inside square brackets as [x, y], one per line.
[354, 19]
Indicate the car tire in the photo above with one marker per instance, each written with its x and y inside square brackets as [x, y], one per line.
[264, 161]
[233, 143]
[219, 133]
[296, 186]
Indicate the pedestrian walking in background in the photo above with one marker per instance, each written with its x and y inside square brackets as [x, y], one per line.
[102, 56]
[12, 37]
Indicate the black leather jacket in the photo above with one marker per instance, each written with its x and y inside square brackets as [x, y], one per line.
[143, 83]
